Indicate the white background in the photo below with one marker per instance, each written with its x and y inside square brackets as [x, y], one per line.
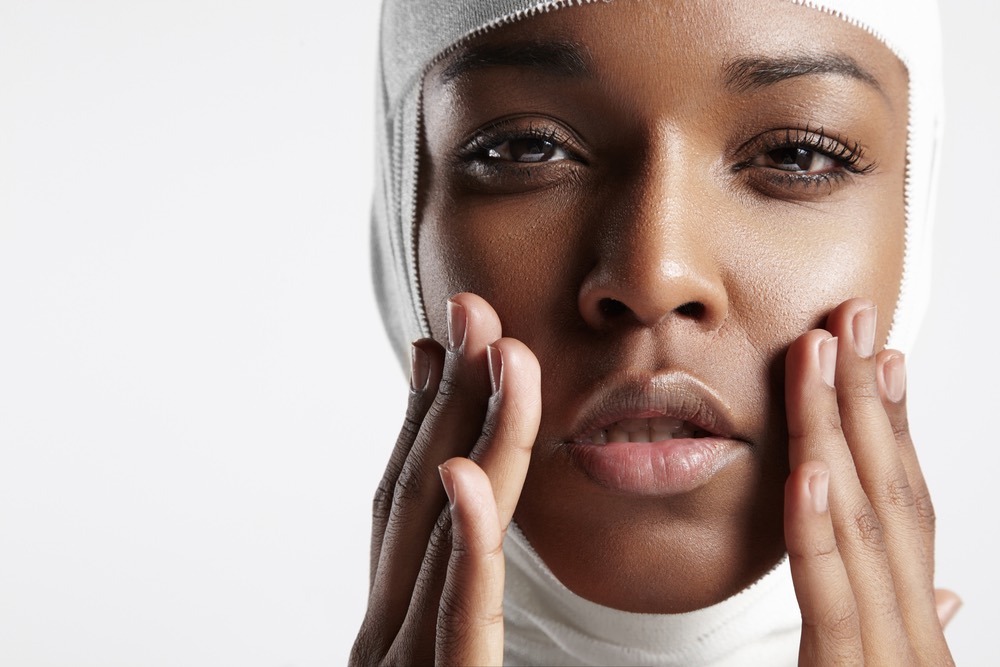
[196, 397]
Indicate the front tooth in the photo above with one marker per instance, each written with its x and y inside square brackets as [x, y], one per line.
[616, 434]
[666, 424]
[658, 434]
[633, 425]
[639, 436]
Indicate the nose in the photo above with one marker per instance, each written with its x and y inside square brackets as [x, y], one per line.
[657, 259]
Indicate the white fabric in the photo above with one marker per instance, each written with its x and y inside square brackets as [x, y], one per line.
[546, 622]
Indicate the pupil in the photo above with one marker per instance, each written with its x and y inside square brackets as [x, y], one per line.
[792, 159]
[531, 150]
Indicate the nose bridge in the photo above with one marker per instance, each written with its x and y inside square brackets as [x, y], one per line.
[656, 258]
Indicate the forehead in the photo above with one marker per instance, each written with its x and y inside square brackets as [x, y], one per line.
[741, 46]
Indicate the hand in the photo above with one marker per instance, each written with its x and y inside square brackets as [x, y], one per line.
[859, 524]
[437, 569]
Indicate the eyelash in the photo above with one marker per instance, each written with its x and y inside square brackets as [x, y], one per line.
[848, 156]
[475, 160]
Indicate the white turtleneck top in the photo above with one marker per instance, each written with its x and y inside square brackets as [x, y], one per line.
[547, 624]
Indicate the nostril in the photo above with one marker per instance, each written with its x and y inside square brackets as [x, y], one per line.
[612, 307]
[691, 309]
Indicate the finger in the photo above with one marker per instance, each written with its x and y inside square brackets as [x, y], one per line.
[815, 434]
[470, 615]
[451, 427]
[426, 364]
[892, 389]
[504, 450]
[873, 446]
[947, 604]
[869, 434]
[831, 630]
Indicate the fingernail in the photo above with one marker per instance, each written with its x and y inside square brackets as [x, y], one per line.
[819, 489]
[419, 368]
[864, 331]
[894, 378]
[828, 360]
[947, 608]
[495, 359]
[448, 482]
[456, 325]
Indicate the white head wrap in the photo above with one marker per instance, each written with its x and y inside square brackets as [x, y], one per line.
[416, 32]
[547, 623]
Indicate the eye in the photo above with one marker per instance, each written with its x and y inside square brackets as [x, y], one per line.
[797, 159]
[527, 149]
[800, 163]
[521, 154]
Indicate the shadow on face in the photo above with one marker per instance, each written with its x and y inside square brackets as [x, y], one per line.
[658, 197]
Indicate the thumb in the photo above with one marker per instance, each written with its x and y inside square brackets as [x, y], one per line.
[470, 616]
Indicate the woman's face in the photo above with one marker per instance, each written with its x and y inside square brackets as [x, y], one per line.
[657, 198]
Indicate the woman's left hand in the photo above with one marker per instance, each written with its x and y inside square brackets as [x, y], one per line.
[859, 524]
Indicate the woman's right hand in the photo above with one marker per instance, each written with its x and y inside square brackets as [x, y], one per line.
[437, 568]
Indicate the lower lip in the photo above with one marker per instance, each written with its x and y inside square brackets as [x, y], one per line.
[668, 467]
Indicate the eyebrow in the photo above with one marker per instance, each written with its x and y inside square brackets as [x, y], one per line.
[556, 58]
[748, 74]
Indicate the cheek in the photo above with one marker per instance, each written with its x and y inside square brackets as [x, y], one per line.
[789, 279]
[522, 256]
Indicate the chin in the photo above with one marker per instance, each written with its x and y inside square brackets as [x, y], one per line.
[655, 553]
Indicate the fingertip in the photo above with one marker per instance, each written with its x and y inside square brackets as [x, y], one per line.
[518, 407]
[947, 604]
[817, 486]
[426, 364]
[807, 488]
[494, 360]
[892, 375]
[463, 478]
[520, 360]
[809, 374]
[802, 360]
[481, 322]
[474, 513]
[842, 320]
[448, 481]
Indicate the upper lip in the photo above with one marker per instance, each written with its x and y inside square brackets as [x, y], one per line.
[677, 395]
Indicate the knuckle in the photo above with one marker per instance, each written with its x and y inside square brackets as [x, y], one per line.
[832, 423]
[459, 616]
[861, 387]
[865, 525]
[448, 387]
[840, 622]
[819, 552]
[901, 429]
[925, 509]
[459, 613]
[382, 501]
[824, 551]
[457, 392]
[410, 428]
[406, 491]
[440, 540]
[898, 494]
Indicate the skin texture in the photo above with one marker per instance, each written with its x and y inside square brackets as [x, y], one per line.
[620, 209]
[654, 215]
